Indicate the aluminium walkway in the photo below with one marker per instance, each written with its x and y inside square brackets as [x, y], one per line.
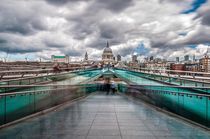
[104, 117]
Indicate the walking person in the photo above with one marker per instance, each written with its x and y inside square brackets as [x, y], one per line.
[56, 68]
[107, 87]
[113, 87]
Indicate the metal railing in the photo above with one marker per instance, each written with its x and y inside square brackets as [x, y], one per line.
[16, 105]
[169, 79]
[179, 73]
[25, 73]
[178, 100]
[40, 79]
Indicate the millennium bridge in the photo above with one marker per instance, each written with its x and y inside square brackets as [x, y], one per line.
[73, 104]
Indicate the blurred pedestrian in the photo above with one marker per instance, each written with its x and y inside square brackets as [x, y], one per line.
[113, 87]
[107, 86]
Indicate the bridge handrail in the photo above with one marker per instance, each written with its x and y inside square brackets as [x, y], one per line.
[55, 85]
[60, 73]
[187, 79]
[194, 94]
[17, 105]
[178, 71]
[31, 77]
[59, 87]
[190, 106]
[37, 70]
[42, 70]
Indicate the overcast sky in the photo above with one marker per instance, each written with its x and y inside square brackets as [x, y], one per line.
[162, 28]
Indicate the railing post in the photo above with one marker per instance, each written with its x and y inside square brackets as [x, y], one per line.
[207, 111]
[5, 109]
[34, 98]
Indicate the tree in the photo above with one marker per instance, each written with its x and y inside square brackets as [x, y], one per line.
[6, 57]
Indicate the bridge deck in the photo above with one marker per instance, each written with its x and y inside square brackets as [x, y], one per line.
[104, 117]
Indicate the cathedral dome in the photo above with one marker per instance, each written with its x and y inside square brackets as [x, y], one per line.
[107, 55]
[107, 50]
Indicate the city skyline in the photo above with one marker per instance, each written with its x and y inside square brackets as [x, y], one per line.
[160, 28]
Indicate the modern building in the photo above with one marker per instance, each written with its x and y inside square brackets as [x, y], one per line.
[107, 56]
[177, 59]
[194, 67]
[60, 59]
[186, 58]
[180, 67]
[151, 58]
[156, 63]
[118, 58]
[86, 57]
[205, 62]
[194, 58]
[134, 58]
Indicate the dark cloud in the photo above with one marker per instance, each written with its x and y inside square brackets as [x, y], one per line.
[109, 31]
[176, 1]
[81, 31]
[73, 53]
[22, 28]
[95, 22]
[158, 44]
[114, 5]
[16, 25]
[58, 2]
[200, 37]
[55, 45]
[125, 51]
[16, 21]
[195, 37]
[203, 13]
[62, 2]
[205, 16]
[98, 44]
[15, 48]
[3, 41]
[37, 26]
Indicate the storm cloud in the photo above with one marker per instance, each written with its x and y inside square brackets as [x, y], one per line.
[72, 27]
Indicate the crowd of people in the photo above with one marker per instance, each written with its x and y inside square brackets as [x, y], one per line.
[110, 87]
